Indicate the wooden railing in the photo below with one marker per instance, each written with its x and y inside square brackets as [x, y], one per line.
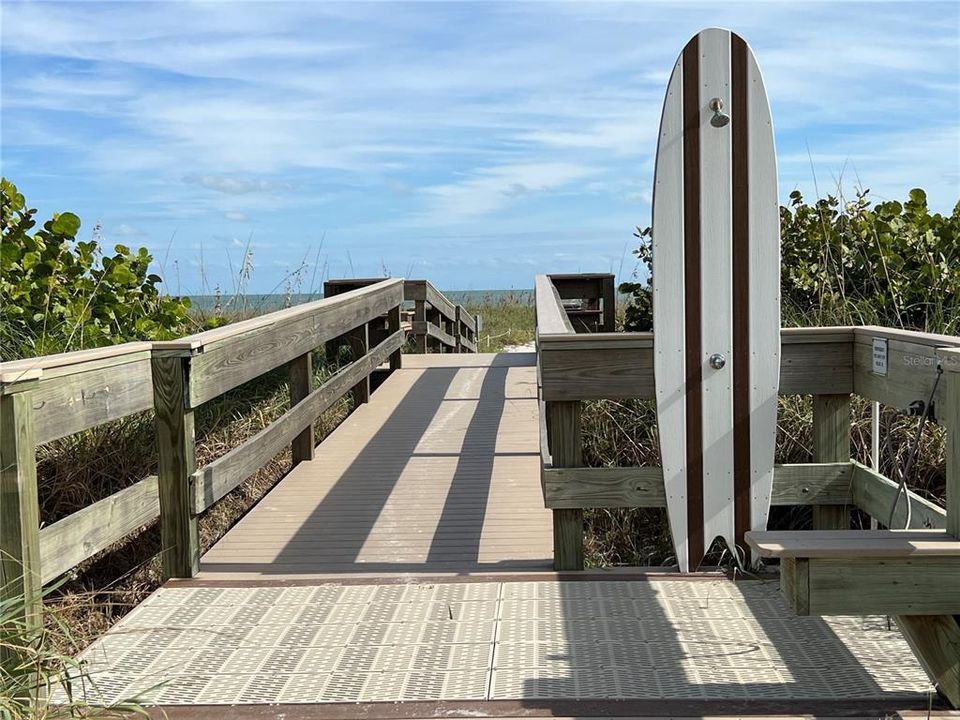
[830, 364]
[436, 323]
[47, 398]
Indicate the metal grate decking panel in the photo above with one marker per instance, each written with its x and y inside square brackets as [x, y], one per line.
[706, 640]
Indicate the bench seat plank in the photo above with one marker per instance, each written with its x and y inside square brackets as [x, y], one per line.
[853, 543]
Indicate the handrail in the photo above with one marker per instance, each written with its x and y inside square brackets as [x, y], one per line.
[550, 316]
[42, 399]
[438, 324]
[829, 363]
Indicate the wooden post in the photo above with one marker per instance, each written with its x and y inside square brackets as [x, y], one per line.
[831, 443]
[563, 437]
[300, 380]
[420, 315]
[359, 342]
[950, 417]
[609, 323]
[19, 516]
[436, 319]
[935, 640]
[176, 453]
[393, 325]
[459, 329]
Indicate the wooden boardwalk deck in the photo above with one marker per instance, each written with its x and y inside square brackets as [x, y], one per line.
[404, 572]
[440, 474]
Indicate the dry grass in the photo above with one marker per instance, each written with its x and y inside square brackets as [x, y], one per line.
[624, 433]
[507, 319]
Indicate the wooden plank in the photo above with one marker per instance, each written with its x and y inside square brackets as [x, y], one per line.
[885, 586]
[847, 544]
[60, 364]
[873, 493]
[911, 366]
[608, 372]
[179, 536]
[620, 366]
[795, 583]
[810, 366]
[551, 317]
[935, 640]
[615, 487]
[236, 358]
[70, 403]
[597, 341]
[466, 319]
[420, 318]
[609, 290]
[626, 487]
[428, 329]
[212, 338]
[300, 381]
[950, 414]
[20, 568]
[215, 480]
[393, 327]
[866, 333]
[440, 303]
[812, 484]
[359, 344]
[831, 443]
[576, 286]
[563, 433]
[68, 542]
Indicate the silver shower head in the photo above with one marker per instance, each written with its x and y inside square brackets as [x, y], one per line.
[720, 119]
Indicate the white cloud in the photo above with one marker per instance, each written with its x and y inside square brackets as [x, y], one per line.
[487, 190]
[125, 230]
[509, 120]
[236, 185]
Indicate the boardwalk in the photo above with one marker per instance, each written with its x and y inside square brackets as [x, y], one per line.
[410, 562]
[439, 475]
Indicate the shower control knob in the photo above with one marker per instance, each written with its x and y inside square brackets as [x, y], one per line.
[717, 361]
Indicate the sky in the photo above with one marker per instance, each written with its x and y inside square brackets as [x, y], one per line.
[474, 145]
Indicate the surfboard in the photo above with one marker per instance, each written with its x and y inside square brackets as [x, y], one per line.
[716, 296]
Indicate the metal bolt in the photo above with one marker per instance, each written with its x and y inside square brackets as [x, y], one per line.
[717, 361]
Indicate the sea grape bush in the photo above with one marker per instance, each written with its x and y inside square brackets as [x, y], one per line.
[894, 264]
[58, 293]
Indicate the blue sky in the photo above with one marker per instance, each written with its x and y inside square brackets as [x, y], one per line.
[471, 144]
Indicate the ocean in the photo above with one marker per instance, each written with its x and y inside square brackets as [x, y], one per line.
[267, 303]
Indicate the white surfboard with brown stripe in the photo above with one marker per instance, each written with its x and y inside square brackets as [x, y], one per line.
[716, 306]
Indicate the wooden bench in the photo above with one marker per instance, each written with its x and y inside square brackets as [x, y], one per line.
[865, 572]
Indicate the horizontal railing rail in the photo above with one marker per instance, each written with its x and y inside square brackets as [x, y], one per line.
[437, 324]
[47, 398]
[894, 367]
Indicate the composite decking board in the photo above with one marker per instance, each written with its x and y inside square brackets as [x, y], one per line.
[440, 471]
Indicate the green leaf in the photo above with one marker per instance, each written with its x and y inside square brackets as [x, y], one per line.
[66, 224]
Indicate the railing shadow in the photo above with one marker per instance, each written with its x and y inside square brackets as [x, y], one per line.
[701, 648]
[404, 464]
